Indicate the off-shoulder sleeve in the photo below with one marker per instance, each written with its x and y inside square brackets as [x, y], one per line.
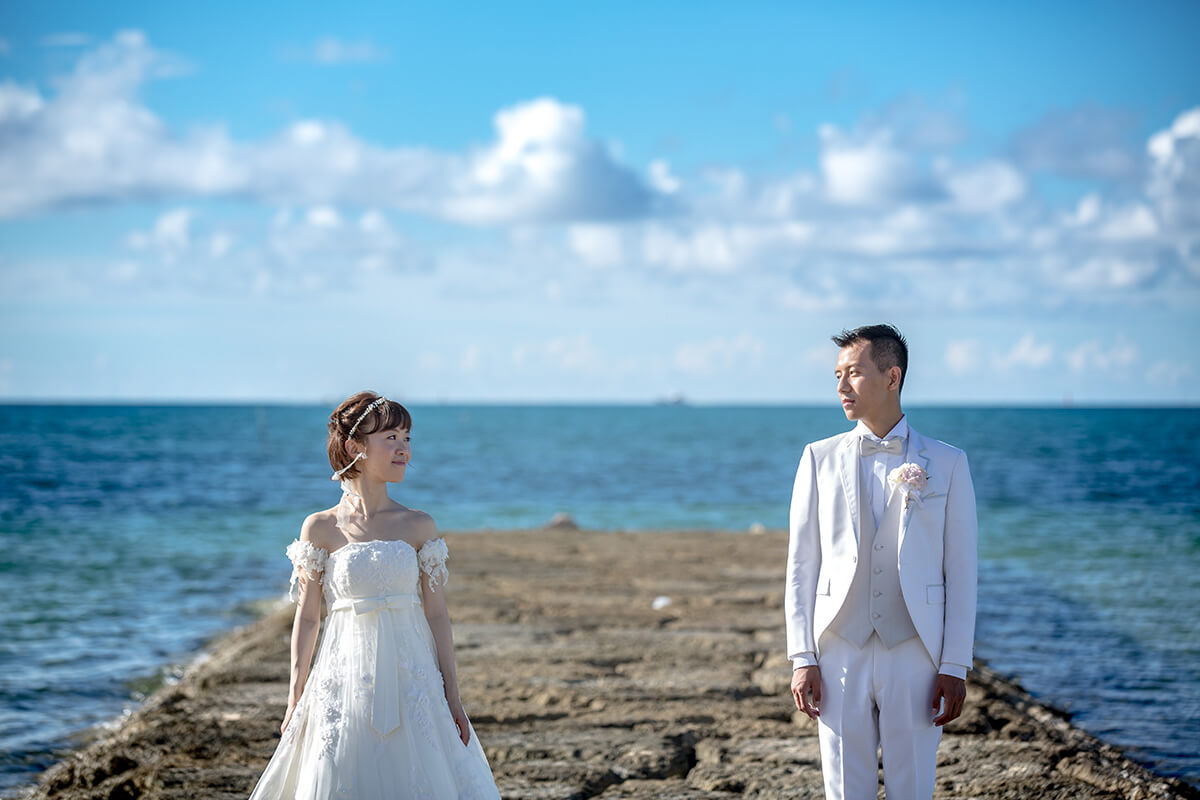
[432, 557]
[308, 563]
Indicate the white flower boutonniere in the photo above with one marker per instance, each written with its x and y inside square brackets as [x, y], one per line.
[910, 479]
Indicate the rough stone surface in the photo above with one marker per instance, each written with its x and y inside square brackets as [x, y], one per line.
[579, 688]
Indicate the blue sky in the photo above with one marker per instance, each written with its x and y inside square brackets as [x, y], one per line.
[611, 202]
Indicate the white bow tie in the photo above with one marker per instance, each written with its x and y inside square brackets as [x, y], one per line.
[893, 445]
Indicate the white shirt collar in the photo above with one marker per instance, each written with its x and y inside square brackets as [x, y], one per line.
[899, 430]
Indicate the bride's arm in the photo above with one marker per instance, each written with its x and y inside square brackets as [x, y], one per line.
[433, 596]
[305, 627]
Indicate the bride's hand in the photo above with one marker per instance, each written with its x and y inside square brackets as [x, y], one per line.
[287, 717]
[461, 722]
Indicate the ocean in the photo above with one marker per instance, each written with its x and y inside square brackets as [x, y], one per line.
[129, 536]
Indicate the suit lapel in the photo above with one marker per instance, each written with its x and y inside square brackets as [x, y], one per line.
[916, 454]
[849, 468]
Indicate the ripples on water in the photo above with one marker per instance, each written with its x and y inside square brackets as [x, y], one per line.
[131, 535]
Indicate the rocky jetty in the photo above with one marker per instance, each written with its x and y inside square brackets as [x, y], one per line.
[610, 665]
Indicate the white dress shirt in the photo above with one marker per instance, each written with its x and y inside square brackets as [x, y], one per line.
[874, 468]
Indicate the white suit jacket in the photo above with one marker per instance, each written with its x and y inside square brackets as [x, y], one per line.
[937, 552]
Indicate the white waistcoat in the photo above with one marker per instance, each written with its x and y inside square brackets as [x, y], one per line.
[874, 601]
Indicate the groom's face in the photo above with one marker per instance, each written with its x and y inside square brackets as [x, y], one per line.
[861, 386]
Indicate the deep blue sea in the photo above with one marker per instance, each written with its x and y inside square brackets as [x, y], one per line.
[131, 535]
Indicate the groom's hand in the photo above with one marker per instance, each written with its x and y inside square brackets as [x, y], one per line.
[806, 681]
[954, 691]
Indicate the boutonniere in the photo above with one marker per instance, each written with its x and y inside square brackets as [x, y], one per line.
[911, 479]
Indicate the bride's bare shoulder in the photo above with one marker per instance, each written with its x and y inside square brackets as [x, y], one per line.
[321, 529]
[417, 526]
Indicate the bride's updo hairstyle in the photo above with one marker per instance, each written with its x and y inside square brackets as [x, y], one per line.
[384, 416]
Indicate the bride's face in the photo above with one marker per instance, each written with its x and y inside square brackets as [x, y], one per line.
[388, 454]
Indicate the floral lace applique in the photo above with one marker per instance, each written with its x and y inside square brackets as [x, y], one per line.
[419, 707]
[432, 559]
[308, 563]
[331, 718]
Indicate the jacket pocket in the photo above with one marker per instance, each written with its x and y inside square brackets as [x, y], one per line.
[823, 587]
[935, 594]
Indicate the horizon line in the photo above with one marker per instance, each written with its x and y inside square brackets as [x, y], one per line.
[551, 402]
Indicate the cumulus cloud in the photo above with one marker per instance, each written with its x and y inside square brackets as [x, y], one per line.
[94, 141]
[867, 171]
[66, 39]
[543, 167]
[962, 356]
[1088, 142]
[1027, 352]
[330, 50]
[170, 236]
[1175, 171]
[719, 354]
[662, 179]
[601, 245]
[1168, 374]
[1096, 355]
[887, 213]
[320, 242]
[984, 187]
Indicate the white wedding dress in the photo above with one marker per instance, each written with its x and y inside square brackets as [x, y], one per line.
[373, 722]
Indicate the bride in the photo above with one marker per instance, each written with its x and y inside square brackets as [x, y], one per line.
[379, 715]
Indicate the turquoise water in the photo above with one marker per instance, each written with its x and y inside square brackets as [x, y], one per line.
[130, 535]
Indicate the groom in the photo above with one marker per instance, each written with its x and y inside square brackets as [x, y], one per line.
[881, 574]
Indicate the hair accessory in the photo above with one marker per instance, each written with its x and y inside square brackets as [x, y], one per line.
[375, 404]
[338, 474]
[345, 507]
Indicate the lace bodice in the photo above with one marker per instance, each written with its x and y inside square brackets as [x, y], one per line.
[372, 568]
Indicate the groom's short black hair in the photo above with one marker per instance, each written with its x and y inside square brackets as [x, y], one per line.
[888, 346]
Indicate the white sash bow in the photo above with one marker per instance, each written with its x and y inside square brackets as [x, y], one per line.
[385, 706]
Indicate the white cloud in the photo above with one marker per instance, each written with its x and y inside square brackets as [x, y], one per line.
[596, 244]
[65, 40]
[719, 354]
[324, 217]
[662, 179]
[542, 167]
[1095, 355]
[984, 187]
[323, 245]
[1086, 143]
[1133, 222]
[1167, 374]
[170, 236]
[1087, 211]
[1175, 172]
[17, 104]
[123, 271]
[93, 141]
[558, 354]
[1102, 273]
[884, 216]
[962, 356]
[330, 50]
[868, 172]
[717, 247]
[1027, 352]
[572, 352]
[220, 243]
[471, 358]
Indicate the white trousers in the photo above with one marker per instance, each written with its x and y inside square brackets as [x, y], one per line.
[873, 698]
